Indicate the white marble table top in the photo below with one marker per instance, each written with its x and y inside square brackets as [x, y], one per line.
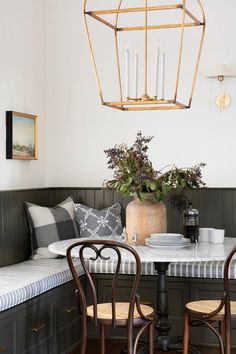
[202, 251]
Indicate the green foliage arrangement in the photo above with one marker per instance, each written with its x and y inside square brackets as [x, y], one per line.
[134, 174]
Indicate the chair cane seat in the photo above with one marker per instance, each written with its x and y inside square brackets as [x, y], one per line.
[207, 306]
[206, 312]
[104, 311]
[101, 314]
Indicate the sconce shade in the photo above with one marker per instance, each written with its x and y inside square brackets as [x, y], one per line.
[141, 51]
[220, 70]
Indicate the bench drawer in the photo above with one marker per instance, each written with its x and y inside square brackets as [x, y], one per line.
[67, 308]
[39, 326]
[7, 338]
[68, 319]
[69, 337]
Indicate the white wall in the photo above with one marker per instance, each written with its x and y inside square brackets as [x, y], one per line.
[22, 80]
[45, 69]
[80, 128]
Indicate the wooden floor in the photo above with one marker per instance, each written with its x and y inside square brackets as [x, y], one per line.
[114, 347]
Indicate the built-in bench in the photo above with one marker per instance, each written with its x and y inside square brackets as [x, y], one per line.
[25, 280]
[36, 292]
[37, 302]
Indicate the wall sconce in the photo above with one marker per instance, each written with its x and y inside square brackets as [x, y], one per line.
[219, 72]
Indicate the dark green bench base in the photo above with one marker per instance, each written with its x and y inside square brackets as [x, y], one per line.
[47, 324]
[55, 316]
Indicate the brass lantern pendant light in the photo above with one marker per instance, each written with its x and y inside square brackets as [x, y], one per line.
[148, 52]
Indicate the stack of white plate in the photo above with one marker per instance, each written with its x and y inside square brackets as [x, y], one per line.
[167, 240]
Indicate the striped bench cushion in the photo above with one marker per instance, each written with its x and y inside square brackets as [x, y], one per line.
[23, 281]
[213, 269]
[128, 267]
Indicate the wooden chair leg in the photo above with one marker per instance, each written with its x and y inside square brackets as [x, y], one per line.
[130, 345]
[150, 339]
[186, 333]
[84, 334]
[102, 339]
[83, 345]
[222, 330]
[227, 324]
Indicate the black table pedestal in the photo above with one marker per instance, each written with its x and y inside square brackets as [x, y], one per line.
[162, 326]
[164, 342]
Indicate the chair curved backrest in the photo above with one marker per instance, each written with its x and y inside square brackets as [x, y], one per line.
[225, 341]
[225, 300]
[104, 249]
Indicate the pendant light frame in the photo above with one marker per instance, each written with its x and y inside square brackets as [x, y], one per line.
[145, 102]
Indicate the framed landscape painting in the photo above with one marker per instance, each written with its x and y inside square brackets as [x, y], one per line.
[21, 136]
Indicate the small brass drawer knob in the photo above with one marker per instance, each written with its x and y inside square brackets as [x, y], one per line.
[38, 328]
[70, 309]
[2, 349]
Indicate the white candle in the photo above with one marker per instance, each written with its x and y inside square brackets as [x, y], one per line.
[157, 58]
[136, 74]
[127, 83]
[162, 74]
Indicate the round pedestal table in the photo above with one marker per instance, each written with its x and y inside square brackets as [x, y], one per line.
[162, 257]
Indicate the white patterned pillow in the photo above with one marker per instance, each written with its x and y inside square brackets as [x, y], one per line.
[96, 223]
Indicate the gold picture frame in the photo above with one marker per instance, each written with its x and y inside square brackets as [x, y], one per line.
[21, 136]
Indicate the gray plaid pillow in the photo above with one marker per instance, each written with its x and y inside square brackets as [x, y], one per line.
[51, 224]
[96, 223]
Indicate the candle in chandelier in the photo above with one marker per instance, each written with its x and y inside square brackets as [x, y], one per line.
[157, 59]
[136, 74]
[162, 74]
[127, 78]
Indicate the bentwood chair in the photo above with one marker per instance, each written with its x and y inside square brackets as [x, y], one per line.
[130, 315]
[208, 312]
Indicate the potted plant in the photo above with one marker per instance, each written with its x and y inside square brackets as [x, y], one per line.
[134, 175]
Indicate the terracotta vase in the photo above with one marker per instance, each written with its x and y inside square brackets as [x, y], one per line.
[145, 217]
